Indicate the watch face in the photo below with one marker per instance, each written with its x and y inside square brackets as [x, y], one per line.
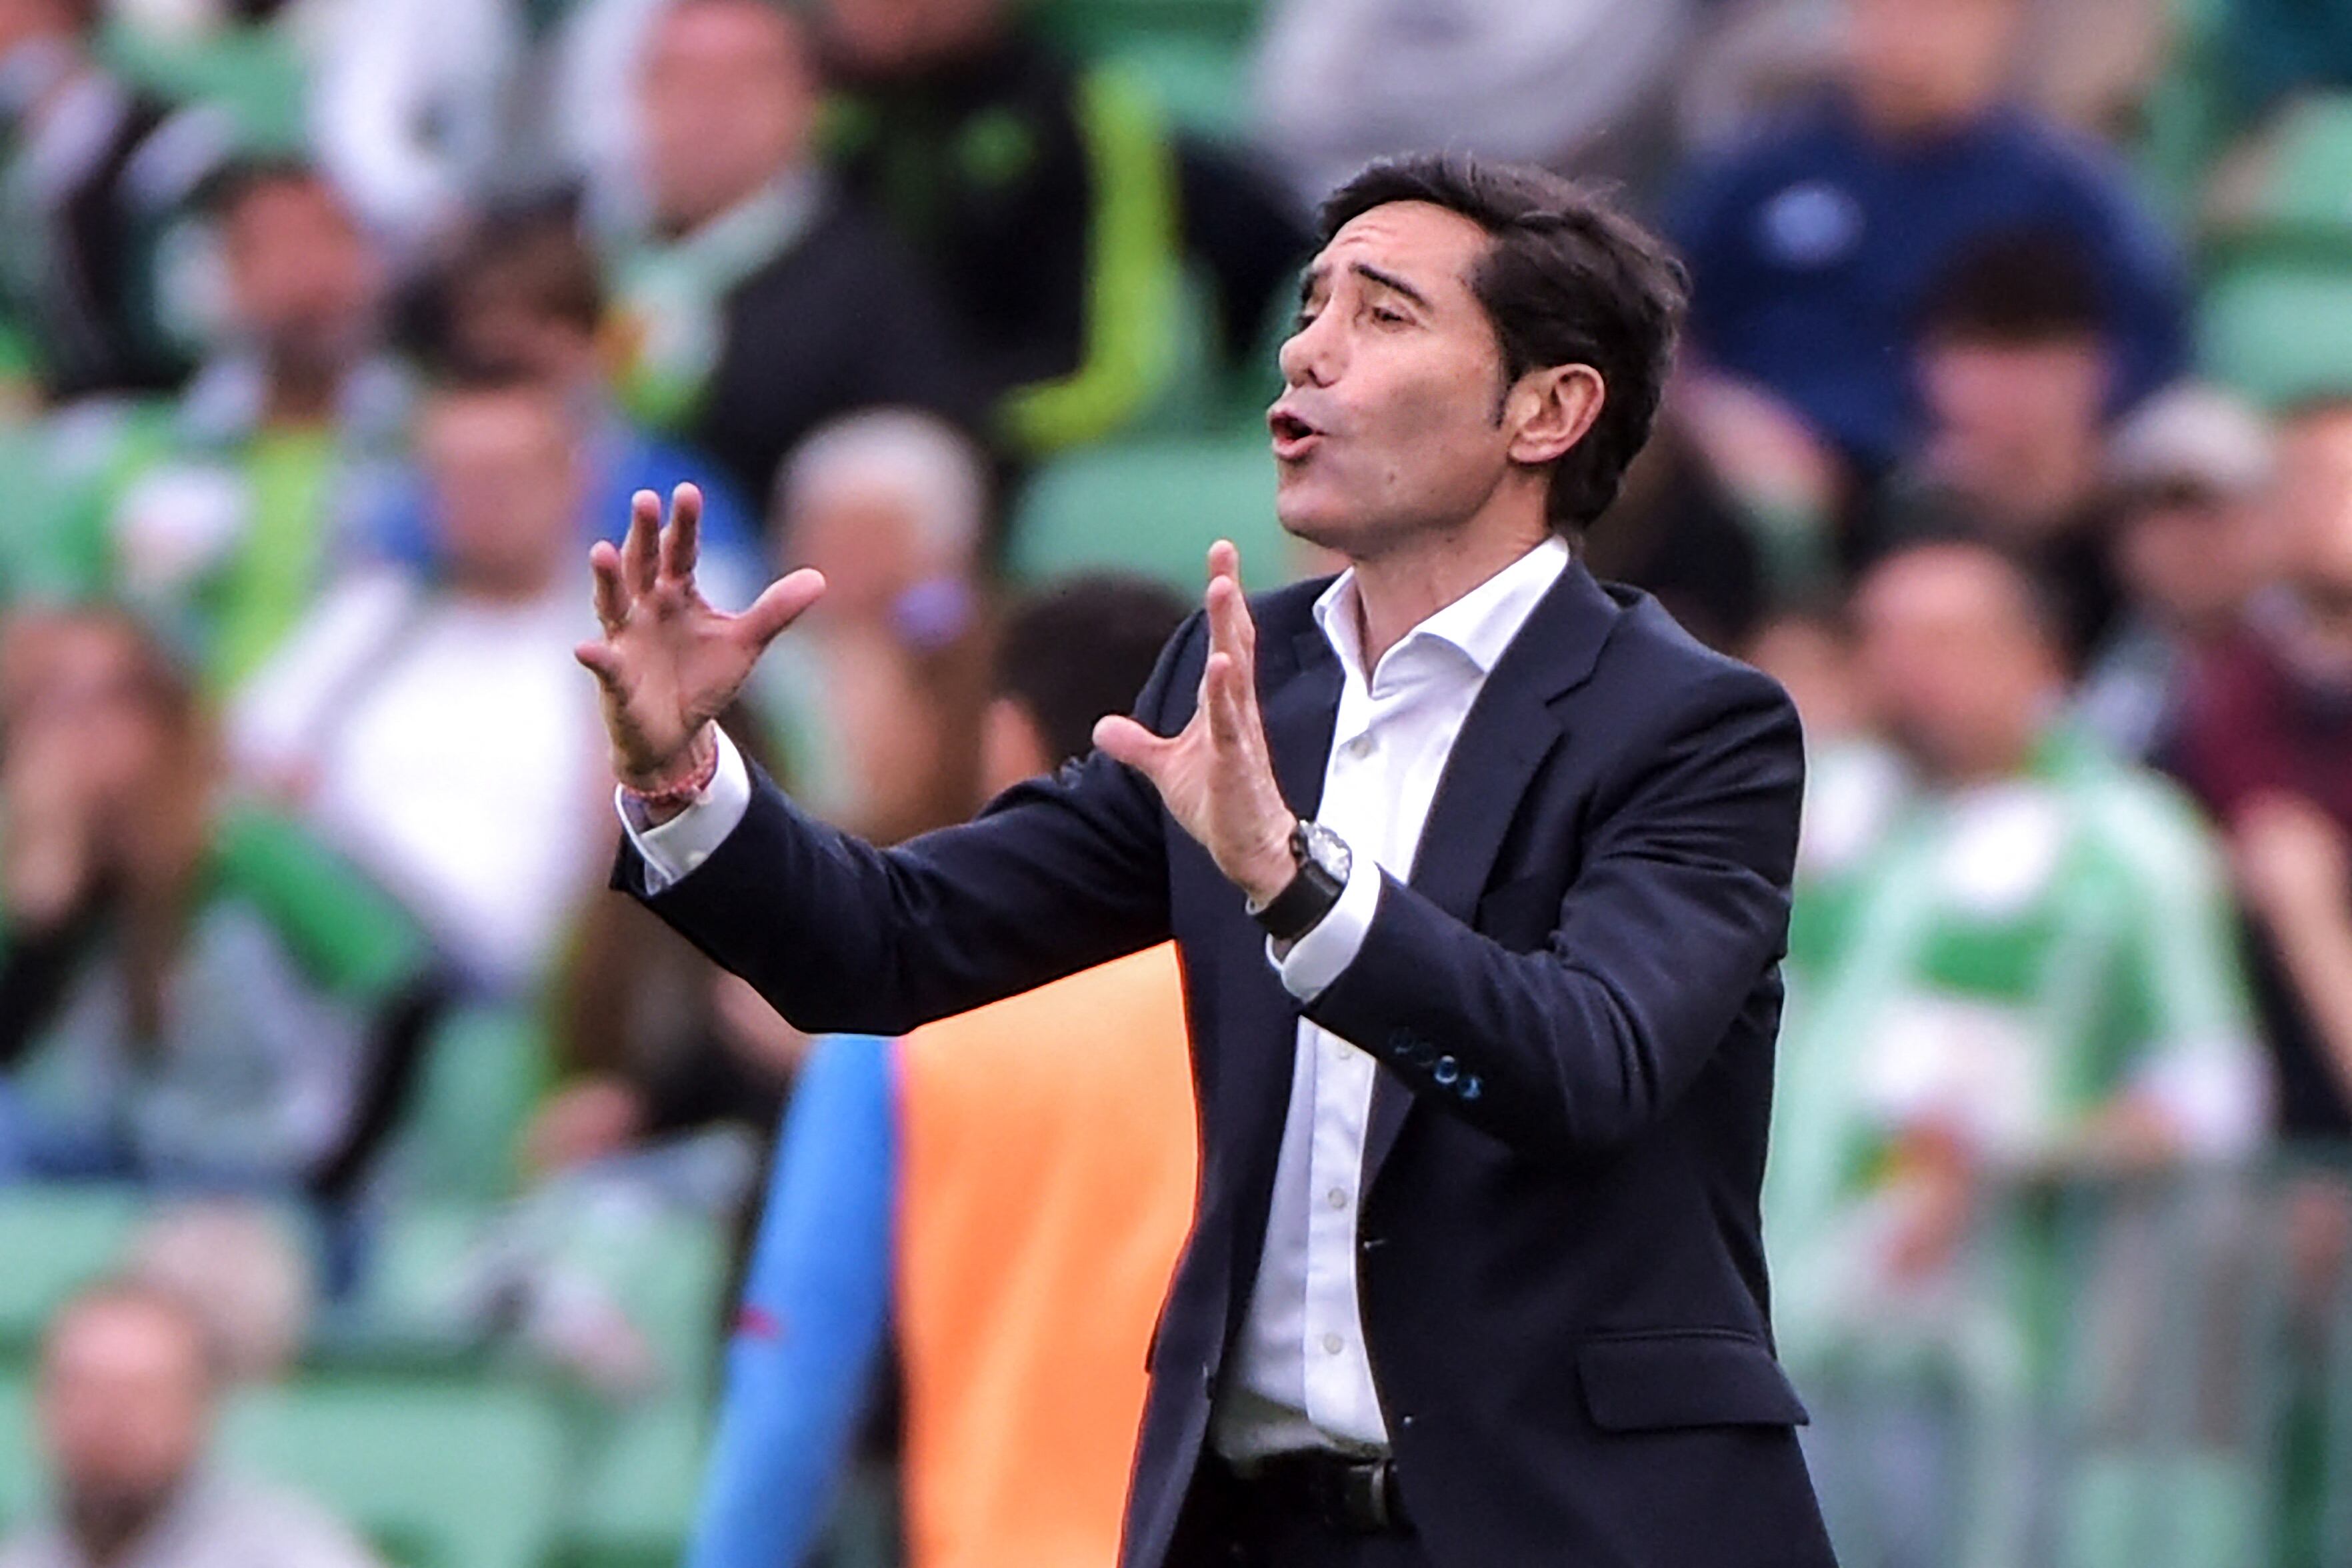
[1329, 851]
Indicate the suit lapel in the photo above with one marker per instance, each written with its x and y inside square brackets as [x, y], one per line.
[1300, 714]
[1519, 720]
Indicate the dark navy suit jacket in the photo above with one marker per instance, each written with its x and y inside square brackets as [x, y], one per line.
[1574, 1001]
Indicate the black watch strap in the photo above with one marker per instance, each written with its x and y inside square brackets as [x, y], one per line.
[1306, 899]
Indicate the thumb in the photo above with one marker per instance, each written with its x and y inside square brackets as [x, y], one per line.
[1123, 739]
[780, 604]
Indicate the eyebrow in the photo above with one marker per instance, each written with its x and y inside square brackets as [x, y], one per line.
[1364, 269]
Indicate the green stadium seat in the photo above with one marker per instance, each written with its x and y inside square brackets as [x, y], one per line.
[440, 1475]
[459, 1137]
[1153, 507]
[56, 1239]
[20, 1470]
[634, 1489]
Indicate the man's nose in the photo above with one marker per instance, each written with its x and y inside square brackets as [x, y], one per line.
[1309, 355]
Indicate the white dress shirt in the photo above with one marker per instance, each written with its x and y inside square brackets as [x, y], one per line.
[1300, 1377]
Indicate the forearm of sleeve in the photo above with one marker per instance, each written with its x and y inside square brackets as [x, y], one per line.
[1677, 915]
[816, 1308]
[1057, 875]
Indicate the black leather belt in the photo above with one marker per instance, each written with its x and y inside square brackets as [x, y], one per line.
[1350, 1496]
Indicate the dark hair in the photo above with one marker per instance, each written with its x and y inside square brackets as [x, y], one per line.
[535, 253]
[1081, 649]
[1568, 279]
[2018, 288]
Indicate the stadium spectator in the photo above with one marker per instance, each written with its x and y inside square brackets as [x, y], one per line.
[1815, 242]
[762, 304]
[416, 109]
[2266, 743]
[877, 710]
[129, 1388]
[1053, 207]
[524, 294]
[193, 993]
[356, 719]
[1005, 1190]
[2014, 965]
[2190, 533]
[221, 514]
[2014, 368]
[101, 181]
[1582, 84]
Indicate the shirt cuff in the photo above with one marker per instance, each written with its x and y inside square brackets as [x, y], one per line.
[673, 849]
[1323, 955]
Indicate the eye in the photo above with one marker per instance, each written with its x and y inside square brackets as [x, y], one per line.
[1301, 322]
[1389, 316]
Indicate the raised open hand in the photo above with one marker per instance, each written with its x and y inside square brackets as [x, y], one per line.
[1216, 775]
[668, 663]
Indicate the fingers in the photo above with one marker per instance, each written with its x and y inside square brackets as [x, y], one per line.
[1221, 685]
[602, 660]
[612, 597]
[780, 604]
[681, 541]
[640, 549]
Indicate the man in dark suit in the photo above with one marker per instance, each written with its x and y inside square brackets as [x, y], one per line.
[1479, 872]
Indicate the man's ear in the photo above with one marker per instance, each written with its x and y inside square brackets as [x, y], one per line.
[1551, 409]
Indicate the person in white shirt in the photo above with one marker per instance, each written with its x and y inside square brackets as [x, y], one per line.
[393, 676]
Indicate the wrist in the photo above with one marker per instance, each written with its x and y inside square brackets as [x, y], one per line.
[1268, 870]
[668, 789]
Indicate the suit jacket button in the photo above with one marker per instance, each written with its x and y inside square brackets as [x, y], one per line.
[1209, 1379]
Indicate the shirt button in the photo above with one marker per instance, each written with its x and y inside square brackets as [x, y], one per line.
[1337, 1197]
[1333, 1344]
[1362, 746]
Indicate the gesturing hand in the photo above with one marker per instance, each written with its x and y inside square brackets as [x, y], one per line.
[669, 662]
[1216, 775]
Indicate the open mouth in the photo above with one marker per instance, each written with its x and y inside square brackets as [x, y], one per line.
[1292, 435]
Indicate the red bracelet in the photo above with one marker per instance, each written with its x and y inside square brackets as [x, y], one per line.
[685, 792]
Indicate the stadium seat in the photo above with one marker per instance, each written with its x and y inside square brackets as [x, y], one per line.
[1152, 507]
[458, 1141]
[56, 1239]
[439, 1475]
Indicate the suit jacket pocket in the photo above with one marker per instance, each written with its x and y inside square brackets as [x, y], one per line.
[1704, 1377]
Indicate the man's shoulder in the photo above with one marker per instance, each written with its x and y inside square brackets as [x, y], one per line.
[1652, 654]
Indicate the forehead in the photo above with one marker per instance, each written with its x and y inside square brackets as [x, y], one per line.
[1430, 247]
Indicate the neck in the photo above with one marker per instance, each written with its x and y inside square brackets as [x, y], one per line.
[1398, 589]
[303, 393]
[109, 1529]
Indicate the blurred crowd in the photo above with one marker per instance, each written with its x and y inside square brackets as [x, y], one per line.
[2012, 432]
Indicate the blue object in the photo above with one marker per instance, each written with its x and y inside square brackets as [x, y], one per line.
[622, 459]
[1812, 249]
[815, 1309]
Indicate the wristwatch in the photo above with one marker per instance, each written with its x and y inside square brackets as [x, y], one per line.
[1324, 861]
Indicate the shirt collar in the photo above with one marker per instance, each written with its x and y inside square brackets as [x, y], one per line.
[1479, 625]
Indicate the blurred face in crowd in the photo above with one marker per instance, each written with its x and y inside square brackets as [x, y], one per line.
[865, 539]
[83, 693]
[2017, 428]
[2193, 556]
[502, 464]
[24, 20]
[2316, 515]
[1389, 426]
[1917, 65]
[304, 280]
[126, 1404]
[879, 37]
[497, 320]
[1957, 669]
[727, 99]
[1809, 656]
